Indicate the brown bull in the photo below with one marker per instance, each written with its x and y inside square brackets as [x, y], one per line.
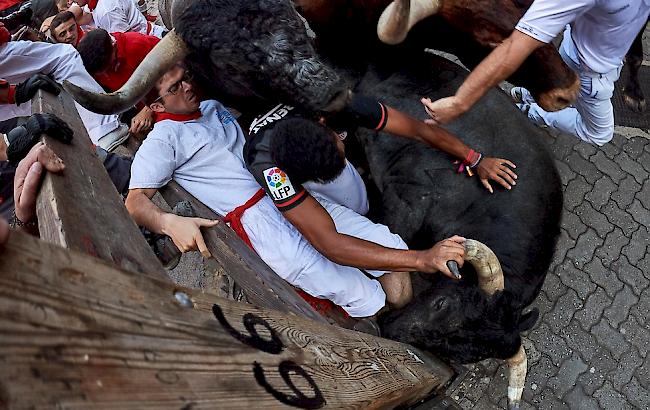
[468, 28]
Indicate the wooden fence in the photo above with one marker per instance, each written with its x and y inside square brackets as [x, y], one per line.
[100, 325]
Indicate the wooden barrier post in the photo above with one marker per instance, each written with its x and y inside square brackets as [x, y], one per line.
[79, 333]
[81, 209]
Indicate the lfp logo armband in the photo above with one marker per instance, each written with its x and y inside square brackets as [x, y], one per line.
[278, 183]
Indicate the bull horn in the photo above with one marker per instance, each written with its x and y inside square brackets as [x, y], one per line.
[164, 55]
[401, 15]
[490, 279]
[488, 268]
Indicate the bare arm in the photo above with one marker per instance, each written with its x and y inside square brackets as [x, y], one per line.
[406, 126]
[316, 225]
[496, 67]
[185, 232]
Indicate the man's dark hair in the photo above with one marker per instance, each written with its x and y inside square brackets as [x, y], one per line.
[306, 151]
[96, 49]
[59, 19]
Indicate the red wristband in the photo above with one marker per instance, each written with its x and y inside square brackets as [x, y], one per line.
[11, 94]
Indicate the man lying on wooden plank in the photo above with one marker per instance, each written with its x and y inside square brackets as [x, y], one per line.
[200, 146]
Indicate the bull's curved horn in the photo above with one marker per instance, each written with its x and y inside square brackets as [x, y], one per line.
[167, 52]
[398, 18]
[488, 268]
[490, 279]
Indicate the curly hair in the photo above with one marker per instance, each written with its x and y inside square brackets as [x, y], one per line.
[306, 150]
[96, 50]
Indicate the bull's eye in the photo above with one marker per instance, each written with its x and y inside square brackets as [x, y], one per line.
[440, 304]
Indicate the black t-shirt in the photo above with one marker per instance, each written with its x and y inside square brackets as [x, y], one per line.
[363, 111]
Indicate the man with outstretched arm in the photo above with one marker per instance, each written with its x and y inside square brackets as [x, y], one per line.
[200, 146]
[594, 45]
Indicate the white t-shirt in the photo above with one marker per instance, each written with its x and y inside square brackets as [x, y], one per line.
[204, 156]
[19, 60]
[121, 16]
[602, 30]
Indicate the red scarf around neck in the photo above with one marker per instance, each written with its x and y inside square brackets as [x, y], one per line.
[177, 117]
[92, 4]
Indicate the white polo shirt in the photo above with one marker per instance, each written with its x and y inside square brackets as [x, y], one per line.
[121, 16]
[602, 30]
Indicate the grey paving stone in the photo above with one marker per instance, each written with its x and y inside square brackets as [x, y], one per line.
[629, 362]
[610, 399]
[601, 192]
[636, 335]
[578, 400]
[634, 146]
[553, 287]
[566, 174]
[575, 192]
[563, 145]
[585, 248]
[638, 395]
[538, 377]
[607, 166]
[644, 194]
[547, 400]
[644, 160]
[593, 309]
[643, 373]
[550, 345]
[611, 150]
[620, 218]
[625, 192]
[638, 246]
[563, 312]
[632, 167]
[567, 376]
[585, 168]
[610, 338]
[603, 277]
[573, 224]
[630, 274]
[611, 249]
[564, 243]
[639, 213]
[619, 310]
[576, 279]
[542, 303]
[599, 365]
[642, 309]
[585, 150]
[579, 340]
[595, 219]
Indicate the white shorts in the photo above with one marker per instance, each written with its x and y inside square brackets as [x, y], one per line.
[293, 258]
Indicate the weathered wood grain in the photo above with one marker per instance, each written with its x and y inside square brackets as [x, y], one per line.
[262, 286]
[80, 333]
[81, 209]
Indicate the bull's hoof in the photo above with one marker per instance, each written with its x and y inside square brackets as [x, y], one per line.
[635, 103]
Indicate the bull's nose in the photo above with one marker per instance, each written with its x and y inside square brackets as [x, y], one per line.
[559, 98]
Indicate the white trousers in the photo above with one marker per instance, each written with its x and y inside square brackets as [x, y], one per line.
[592, 117]
[19, 60]
[291, 256]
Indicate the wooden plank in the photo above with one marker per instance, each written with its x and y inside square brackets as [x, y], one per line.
[80, 333]
[262, 286]
[81, 209]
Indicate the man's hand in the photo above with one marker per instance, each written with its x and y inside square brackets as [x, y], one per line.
[23, 138]
[142, 122]
[28, 179]
[26, 90]
[186, 232]
[443, 110]
[435, 259]
[496, 169]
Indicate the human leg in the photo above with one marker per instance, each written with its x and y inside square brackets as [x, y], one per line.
[398, 288]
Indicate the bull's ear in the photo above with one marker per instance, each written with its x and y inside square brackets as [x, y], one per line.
[528, 320]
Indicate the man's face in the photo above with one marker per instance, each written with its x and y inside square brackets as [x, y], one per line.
[176, 92]
[66, 32]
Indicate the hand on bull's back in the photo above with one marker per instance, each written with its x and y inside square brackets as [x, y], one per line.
[442, 111]
[498, 170]
[435, 259]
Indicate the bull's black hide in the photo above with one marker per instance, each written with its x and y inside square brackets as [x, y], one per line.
[425, 200]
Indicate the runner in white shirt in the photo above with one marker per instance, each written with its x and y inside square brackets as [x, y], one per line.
[594, 45]
[19, 60]
[120, 16]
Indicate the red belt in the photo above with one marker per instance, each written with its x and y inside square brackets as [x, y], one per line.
[234, 217]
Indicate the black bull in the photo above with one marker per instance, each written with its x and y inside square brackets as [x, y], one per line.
[425, 200]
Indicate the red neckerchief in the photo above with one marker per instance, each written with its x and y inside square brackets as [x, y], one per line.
[177, 117]
[80, 34]
[92, 4]
[5, 35]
